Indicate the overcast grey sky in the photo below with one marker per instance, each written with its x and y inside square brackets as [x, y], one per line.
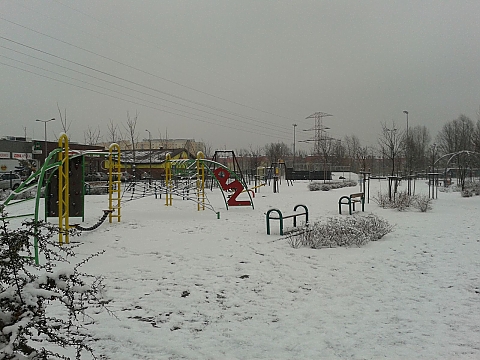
[237, 74]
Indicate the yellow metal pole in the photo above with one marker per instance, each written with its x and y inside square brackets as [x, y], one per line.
[114, 182]
[200, 181]
[63, 190]
[168, 180]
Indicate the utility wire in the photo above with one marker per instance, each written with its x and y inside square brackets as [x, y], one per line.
[122, 86]
[134, 102]
[142, 71]
[131, 82]
[119, 29]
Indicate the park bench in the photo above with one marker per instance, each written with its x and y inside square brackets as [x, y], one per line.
[282, 217]
[350, 200]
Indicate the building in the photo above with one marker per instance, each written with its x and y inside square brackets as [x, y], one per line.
[192, 146]
[150, 163]
[14, 149]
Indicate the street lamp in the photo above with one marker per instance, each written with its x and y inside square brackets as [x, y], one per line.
[294, 126]
[45, 139]
[150, 146]
[406, 155]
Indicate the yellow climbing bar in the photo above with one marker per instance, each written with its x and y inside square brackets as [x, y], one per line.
[63, 190]
[200, 181]
[114, 182]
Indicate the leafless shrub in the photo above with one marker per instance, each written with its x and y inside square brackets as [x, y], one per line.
[402, 201]
[382, 200]
[467, 193]
[422, 203]
[28, 291]
[351, 231]
[473, 187]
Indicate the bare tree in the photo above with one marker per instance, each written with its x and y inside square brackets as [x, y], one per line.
[456, 135]
[206, 148]
[353, 147]
[326, 147]
[254, 157]
[277, 151]
[114, 133]
[418, 148]
[476, 142]
[63, 120]
[130, 127]
[91, 135]
[391, 144]
[338, 153]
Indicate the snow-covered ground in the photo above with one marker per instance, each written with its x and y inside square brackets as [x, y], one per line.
[186, 285]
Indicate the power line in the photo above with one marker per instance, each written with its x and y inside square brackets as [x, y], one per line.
[131, 82]
[134, 102]
[102, 22]
[122, 86]
[142, 71]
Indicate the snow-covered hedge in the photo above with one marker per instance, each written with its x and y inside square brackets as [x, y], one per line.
[402, 201]
[316, 186]
[28, 330]
[354, 230]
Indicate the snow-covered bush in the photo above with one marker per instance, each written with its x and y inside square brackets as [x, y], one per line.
[28, 330]
[403, 201]
[29, 194]
[422, 203]
[382, 200]
[471, 188]
[354, 230]
[316, 186]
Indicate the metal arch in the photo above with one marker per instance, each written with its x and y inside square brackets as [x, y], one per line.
[453, 155]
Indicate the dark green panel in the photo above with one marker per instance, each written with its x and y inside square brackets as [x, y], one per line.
[76, 176]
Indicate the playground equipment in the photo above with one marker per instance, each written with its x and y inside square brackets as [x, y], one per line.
[281, 217]
[350, 201]
[199, 169]
[60, 181]
[114, 182]
[465, 160]
[275, 174]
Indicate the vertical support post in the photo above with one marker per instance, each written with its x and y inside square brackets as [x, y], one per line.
[200, 181]
[63, 190]
[114, 178]
[168, 180]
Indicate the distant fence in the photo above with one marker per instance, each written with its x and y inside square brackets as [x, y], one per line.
[308, 175]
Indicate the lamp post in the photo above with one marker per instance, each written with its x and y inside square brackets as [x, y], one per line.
[407, 147]
[294, 126]
[433, 157]
[150, 147]
[45, 138]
